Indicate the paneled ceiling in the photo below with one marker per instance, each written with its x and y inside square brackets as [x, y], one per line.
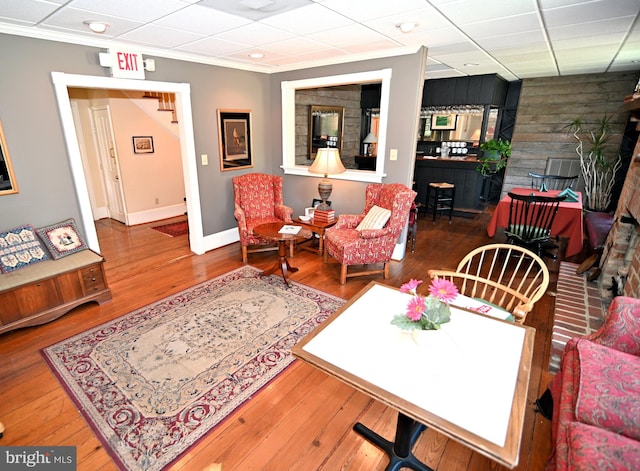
[513, 38]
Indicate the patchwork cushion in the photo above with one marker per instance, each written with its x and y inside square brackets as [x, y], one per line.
[594, 449]
[62, 239]
[609, 389]
[19, 248]
[376, 218]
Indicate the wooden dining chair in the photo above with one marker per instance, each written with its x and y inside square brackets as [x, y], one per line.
[530, 221]
[510, 277]
[552, 182]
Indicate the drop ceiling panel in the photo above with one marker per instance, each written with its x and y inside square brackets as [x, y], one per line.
[514, 38]
[202, 20]
[26, 11]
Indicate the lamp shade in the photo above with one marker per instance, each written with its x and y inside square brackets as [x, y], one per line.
[327, 162]
[370, 139]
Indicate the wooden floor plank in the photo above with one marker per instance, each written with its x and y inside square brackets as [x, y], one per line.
[285, 423]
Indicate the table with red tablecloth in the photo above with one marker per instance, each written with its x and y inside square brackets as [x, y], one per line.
[568, 222]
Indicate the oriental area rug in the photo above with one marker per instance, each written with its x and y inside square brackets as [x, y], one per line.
[153, 382]
[173, 229]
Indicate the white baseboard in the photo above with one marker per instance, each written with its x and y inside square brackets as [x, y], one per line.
[100, 213]
[156, 214]
[221, 239]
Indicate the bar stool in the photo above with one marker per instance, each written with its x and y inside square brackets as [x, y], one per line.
[441, 197]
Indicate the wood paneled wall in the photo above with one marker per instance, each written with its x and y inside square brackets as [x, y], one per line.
[548, 104]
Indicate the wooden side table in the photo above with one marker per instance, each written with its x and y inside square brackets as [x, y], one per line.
[270, 231]
[315, 227]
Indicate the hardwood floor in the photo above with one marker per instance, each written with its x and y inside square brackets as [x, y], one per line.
[302, 420]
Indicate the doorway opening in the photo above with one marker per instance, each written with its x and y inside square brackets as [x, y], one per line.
[182, 93]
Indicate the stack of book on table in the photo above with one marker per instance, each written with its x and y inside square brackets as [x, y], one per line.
[324, 216]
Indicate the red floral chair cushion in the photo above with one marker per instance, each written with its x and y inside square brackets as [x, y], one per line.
[603, 451]
[257, 199]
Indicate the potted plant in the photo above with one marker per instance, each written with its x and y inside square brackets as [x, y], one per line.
[598, 169]
[495, 153]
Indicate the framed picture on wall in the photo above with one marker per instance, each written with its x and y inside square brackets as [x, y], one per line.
[142, 145]
[235, 139]
[8, 183]
[444, 122]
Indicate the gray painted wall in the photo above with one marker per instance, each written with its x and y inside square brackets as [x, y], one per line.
[33, 130]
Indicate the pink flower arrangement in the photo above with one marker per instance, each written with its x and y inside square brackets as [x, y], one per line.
[427, 313]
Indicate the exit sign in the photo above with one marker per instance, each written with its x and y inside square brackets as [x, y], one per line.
[126, 64]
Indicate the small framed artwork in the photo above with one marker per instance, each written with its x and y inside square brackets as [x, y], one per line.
[444, 122]
[8, 184]
[235, 139]
[142, 144]
[316, 202]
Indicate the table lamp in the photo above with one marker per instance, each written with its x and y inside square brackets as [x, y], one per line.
[370, 139]
[327, 162]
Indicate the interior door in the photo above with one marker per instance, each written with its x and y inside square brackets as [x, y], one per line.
[109, 163]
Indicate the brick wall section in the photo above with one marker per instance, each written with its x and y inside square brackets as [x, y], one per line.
[618, 239]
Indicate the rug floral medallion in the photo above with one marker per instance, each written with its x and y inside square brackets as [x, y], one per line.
[154, 381]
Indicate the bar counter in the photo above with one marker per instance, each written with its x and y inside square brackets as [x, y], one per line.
[459, 171]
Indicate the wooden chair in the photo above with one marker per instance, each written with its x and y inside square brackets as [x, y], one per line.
[507, 276]
[257, 199]
[530, 221]
[552, 182]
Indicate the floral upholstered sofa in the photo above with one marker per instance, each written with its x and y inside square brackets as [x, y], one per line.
[596, 396]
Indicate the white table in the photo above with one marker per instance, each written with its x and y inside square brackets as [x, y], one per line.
[469, 382]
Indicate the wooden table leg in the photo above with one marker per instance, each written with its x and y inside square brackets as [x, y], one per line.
[282, 264]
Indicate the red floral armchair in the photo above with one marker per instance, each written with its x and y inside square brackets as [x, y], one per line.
[350, 246]
[257, 199]
[596, 396]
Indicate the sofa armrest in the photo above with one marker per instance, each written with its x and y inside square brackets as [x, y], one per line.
[621, 328]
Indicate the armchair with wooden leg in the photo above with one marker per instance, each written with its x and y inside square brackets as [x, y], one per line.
[370, 238]
[258, 200]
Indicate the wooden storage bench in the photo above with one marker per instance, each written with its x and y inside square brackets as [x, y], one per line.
[47, 290]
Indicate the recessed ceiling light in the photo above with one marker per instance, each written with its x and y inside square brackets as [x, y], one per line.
[256, 55]
[407, 26]
[471, 64]
[96, 26]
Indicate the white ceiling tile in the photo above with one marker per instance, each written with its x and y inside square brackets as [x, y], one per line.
[202, 20]
[510, 25]
[72, 19]
[454, 48]
[348, 35]
[166, 37]
[138, 10]
[434, 38]
[366, 10]
[307, 20]
[522, 40]
[594, 11]
[255, 34]
[255, 10]
[582, 30]
[27, 11]
[464, 12]
[206, 45]
[362, 48]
